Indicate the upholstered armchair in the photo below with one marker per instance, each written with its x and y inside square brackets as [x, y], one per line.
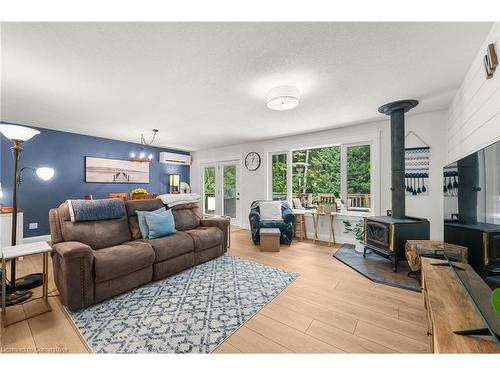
[285, 225]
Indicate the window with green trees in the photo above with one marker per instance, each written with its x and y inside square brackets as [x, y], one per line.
[316, 176]
[316, 171]
[279, 171]
[209, 189]
[358, 177]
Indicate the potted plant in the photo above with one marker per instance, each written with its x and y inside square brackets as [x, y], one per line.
[495, 300]
[357, 231]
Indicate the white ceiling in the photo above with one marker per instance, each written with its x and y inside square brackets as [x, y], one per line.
[205, 84]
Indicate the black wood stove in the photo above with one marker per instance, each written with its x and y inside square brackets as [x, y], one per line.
[387, 235]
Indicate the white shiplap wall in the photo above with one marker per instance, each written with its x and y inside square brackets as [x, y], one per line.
[474, 114]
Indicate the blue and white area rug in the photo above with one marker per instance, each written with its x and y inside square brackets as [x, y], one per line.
[191, 312]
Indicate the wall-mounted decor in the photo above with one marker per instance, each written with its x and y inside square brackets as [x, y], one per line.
[115, 171]
[417, 167]
[490, 61]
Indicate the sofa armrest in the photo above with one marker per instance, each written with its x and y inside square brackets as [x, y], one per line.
[73, 273]
[288, 216]
[220, 222]
[254, 217]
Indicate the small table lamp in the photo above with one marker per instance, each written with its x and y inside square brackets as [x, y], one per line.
[174, 182]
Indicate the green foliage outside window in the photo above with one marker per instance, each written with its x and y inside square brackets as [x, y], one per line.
[209, 180]
[321, 172]
[358, 170]
[279, 173]
[230, 177]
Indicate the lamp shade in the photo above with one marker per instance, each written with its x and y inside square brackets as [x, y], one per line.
[17, 132]
[174, 180]
[45, 173]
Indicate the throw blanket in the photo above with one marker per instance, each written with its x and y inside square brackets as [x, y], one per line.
[99, 209]
[172, 200]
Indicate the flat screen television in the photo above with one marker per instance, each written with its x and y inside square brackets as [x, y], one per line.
[471, 188]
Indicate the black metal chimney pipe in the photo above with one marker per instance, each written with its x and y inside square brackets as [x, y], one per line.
[397, 112]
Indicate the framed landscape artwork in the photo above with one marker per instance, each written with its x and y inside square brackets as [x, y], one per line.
[115, 171]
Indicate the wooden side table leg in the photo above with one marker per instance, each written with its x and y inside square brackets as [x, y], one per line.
[330, 230]
[301, 230]
[333, 229]
[315, 223]
[305, 227]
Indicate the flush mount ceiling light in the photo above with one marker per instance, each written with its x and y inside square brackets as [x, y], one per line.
[282, 98]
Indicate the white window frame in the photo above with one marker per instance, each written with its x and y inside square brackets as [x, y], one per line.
[343, 176]
[372, 139]
[288, 175]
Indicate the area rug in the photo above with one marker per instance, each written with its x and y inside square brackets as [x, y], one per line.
[191, 312]
[377, 268]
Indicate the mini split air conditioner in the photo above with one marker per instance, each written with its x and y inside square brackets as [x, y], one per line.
[171, 158]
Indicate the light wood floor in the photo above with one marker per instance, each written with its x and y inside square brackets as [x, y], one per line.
[329, 309]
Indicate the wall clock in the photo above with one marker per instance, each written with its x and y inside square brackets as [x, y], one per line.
[252, 161]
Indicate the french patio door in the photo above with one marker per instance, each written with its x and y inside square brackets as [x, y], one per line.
[221, 191]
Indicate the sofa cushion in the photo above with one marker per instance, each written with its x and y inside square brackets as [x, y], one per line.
[132, 206]
[205, 237]
[187, 216]
[96, 234]
[116, 261]
[171, 246]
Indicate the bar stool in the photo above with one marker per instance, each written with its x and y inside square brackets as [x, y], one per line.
[300, 222]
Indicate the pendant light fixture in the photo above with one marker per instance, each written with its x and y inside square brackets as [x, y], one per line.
[140, 156]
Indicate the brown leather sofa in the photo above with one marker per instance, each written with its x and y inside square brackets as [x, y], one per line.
[96, 260]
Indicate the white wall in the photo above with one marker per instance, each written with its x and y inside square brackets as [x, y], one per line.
[254, 185]
[474, 114]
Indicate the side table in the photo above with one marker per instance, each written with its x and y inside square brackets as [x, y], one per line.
[331, 235]
[11, 252]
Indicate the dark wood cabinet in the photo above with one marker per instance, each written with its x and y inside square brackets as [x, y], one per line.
[482, 241]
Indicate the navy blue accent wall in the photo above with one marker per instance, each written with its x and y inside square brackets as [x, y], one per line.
[65, 152]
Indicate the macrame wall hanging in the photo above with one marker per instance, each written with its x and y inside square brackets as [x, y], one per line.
[417, 161]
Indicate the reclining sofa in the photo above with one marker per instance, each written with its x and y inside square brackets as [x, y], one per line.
[96, 260]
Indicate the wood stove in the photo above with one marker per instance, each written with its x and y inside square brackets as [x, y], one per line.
[387, 235]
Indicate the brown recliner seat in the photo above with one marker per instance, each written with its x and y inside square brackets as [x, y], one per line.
[96, 260]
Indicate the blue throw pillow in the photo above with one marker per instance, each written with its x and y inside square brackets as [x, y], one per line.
[141, 218]
[160, 225]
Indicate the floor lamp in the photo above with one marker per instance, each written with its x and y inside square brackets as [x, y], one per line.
[18, 135]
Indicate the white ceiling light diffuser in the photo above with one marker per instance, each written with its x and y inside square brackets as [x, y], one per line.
[283, 98]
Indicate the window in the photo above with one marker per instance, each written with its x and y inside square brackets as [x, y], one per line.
[209, 190]
[316, 175]
[279, 179]
[358, 178]
[324, 176]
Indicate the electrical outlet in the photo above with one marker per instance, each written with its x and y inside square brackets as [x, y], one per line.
[33, 226]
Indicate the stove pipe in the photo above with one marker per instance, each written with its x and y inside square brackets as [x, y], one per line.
[397, 112]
